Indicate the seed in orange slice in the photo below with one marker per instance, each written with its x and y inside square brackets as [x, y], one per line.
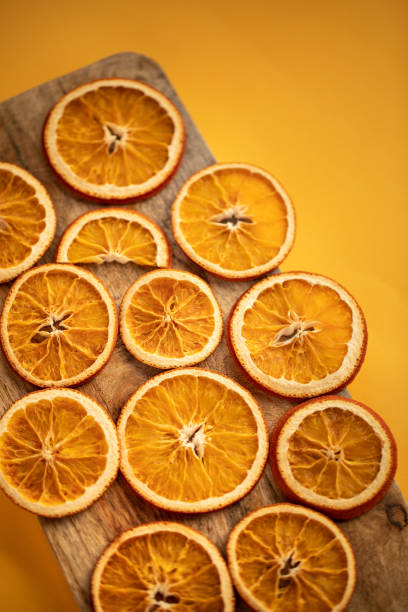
[27, 221]
[59, 452]
[285, 558]
[170, 318]
[334, 454]
[114, 139]
[114, 234]
[162, 566]
[234, 220]
[192, 440]
[58, 325]
[298, 334]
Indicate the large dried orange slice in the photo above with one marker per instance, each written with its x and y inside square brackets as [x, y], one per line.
[234, 220]
[162, 566]
[114, 234]
[170, 318]
[334, 454]
[285, 558]
[59, 451]
[192, 440]
[114, 139]
[298, 334]
[58, 325]
[27, 221]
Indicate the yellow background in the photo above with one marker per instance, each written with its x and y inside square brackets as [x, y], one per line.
[313, 91]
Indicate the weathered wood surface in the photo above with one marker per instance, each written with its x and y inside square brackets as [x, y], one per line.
[379, 538]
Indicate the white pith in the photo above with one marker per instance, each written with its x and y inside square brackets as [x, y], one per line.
[110, 191]
[162, 255]
[293, 509]
[237, 209]
[282, 385]
[160, 361]
[50, 220]
[226, 588]
[111, 328]
[290, 428]
[211, 503]
[92, 492]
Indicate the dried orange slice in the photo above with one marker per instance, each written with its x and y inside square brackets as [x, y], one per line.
[27, 221]
[298, 334]
[192, 440]
[114, 234]
[58, 325]
[285, 558]
[162, 566]
[334, 454]
[59, 452]
[234, 220]
[170, 318]
[114, 139]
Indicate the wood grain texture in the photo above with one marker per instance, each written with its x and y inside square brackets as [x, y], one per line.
[379, 538]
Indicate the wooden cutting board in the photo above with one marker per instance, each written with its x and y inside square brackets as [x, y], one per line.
[379, 538]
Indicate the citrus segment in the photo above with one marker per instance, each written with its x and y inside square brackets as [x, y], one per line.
[170, 318]
[192, 440]
[27, 221]
[334, 454]
[285, 558]
[298, 334]
[58, 451]
[234, 220]
[58, 325]
[114, 234]
[114, 139]
[162, 566]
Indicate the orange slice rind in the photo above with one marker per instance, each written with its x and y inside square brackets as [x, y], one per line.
[234, 220]
[298, 334]
[59, 452]
[334, 454]
[170, 318]
[284, 558]
[58, 325]
[114, 139]
[27, 221]
[192, 441]
[162, 565]
[114, 234]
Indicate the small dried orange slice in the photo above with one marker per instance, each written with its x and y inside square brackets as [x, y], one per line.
[58, 325]
[59, 452]
[27, 221]
[192, 440]
[170, 318]
[234, 220]
[285, 558]
[334, 454]
[298, 334]
[114, 139]
[114, 234]
[162, 566]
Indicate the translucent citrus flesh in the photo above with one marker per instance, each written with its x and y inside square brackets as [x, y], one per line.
[22, 219]
[234, 218]
[111, 238]
[114, 135]
[292, 562]
[52, 451]
[298, 331]
[334, 453]
[158, 568]
[57, 325]
[170, 317]
[190, 438]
